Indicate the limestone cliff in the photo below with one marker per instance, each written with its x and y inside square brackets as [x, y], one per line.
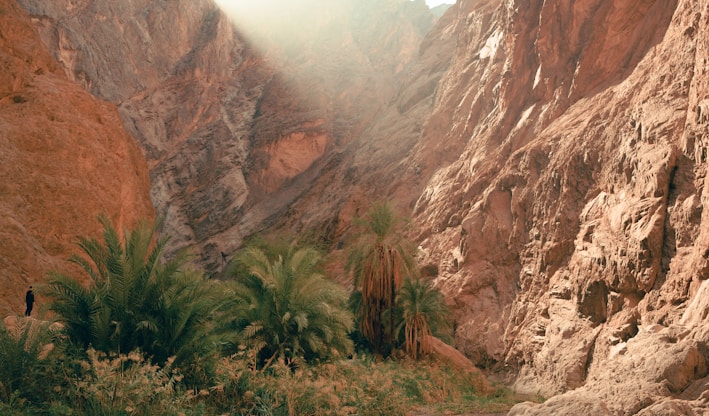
[65, 158]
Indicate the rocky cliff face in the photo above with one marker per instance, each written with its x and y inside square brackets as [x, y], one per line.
[552, 154]
[65, 158]
[182, 82]
[233, 134]
[555, 170]
[569, 228]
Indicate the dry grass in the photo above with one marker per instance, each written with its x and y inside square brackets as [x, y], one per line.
[128, 384]
[356, 386]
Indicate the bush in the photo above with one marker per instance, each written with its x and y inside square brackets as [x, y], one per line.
[358, 386]
[26, 373]
[126, 384]
[135, 300]
[286, 309]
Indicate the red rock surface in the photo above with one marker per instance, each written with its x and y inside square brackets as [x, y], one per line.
[568, 229]
[65, 158]
[552, 155]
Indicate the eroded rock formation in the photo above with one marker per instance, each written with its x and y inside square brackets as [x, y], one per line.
[570, 231]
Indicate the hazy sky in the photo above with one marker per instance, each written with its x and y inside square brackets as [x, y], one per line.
[434, 3]
[256, 16]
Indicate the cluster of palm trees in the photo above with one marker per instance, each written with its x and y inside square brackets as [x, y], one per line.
[279, 305]
[389, 294]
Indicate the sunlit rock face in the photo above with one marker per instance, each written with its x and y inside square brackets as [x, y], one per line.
[65, 158]
[566, 220]
[235, 124]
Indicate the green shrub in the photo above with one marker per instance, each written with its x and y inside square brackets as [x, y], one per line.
[358, 386]
[286, 309]
[135, 300]
[26, 373]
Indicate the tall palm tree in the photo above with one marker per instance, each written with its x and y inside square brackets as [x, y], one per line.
[135, 300]
[379, 261]
[423, 314]
[288, 309]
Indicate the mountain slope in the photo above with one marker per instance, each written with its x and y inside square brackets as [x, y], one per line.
[234, 134]
[569, 229]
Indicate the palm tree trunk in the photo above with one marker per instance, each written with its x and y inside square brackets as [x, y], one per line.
[392, 295]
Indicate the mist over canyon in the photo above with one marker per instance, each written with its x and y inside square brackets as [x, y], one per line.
[552, 156]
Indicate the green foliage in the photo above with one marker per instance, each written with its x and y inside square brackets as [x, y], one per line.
[128, 384]
[286, 309]
[358, 386]
[423, 313]
[379, 261]
[286, 318]
[135, 300]
[26, 371]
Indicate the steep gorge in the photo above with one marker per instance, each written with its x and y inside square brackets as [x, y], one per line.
[552, 156]
[233, 133]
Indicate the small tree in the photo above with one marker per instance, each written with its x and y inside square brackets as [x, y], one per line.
[26, 372]
[287, 309]
[379, 261]
[423, 314]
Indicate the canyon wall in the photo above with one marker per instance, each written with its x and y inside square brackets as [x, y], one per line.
[65, 158]
[552, 156]
[235, 125]
[555, 174]
[569, 230]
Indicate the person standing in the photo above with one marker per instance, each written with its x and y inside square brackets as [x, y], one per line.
[29, 300]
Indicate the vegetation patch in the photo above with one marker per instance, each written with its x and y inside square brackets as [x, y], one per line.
[149, 336]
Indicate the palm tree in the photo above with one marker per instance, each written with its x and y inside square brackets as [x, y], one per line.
[423, 314]
[378, 262]
[134, 300]
[26, 372]
[287, 309]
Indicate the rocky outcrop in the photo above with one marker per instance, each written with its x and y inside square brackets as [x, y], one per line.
[451, 356]
[182, 83]
[569, 230]
[65, 158]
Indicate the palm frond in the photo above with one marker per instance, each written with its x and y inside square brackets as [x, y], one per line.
[289, 302]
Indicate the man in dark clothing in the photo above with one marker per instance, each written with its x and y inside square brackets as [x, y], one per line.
[29, 299]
